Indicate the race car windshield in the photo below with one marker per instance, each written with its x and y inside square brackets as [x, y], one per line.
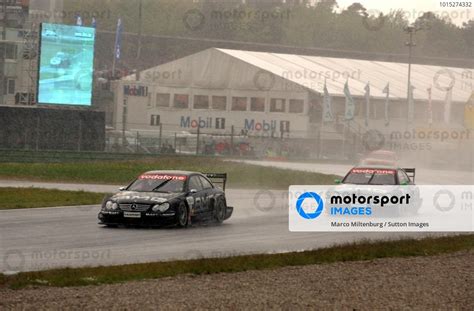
[382, 156]
[153, 185]
[372, 178]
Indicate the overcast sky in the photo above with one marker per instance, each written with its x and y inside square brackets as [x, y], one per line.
[414, 8]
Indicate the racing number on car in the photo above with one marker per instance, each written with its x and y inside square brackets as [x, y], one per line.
[201, 201]
[197, 203]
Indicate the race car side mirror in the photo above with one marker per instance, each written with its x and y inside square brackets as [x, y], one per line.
[337, 181]
[192, 191]
[122, 188]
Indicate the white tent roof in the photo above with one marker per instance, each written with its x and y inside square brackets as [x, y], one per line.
[224, 68]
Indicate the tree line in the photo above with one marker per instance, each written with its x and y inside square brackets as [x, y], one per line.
[176, 28]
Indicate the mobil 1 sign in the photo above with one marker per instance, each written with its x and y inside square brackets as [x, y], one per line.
[376, 208]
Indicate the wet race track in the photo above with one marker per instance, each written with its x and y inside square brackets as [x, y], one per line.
[44, 238]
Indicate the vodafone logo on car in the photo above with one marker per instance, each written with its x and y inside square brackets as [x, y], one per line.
[162, 177]
[371, 171]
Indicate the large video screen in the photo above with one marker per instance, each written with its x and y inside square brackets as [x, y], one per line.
[66, 65]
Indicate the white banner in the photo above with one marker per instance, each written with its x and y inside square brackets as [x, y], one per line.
[386, 91]
[350, 105]
[327, 106]
[356, 208]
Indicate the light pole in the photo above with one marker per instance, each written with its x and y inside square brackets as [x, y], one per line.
[410, 30]
[124, 122]
[5, 20]
[140, 17]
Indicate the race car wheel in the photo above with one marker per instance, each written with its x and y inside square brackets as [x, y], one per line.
[219, 210]
[182, 215]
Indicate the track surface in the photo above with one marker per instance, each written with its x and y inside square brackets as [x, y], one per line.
[44, 238]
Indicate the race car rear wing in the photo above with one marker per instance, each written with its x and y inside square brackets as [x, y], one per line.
[410, 173]
[217, 178]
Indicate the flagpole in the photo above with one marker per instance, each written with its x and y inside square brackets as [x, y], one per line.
[386, 90]
[410, 30]
[117, 38]
[344, 140]
[113, 65]
[430, 108]
[348, 115]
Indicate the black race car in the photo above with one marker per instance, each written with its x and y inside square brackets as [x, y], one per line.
[164, 198]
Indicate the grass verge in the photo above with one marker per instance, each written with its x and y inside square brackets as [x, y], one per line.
[122, 172]
[13, 198]
[350, 252]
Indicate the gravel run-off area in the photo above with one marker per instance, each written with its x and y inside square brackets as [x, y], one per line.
[444, 282]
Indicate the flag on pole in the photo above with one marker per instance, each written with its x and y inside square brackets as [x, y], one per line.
[327, 105]
[447, 105]
[78, 20]
[350, 106]
[411, 104]
[118, 39]
[430, 107]
[367, 103]
[386, 91]
[94, 22]
[469, 113]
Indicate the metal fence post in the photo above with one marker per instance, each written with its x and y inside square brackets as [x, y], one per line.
[232, 140]
[319, 143]
[37, 132]
[79, 141]
[197, 139]
[175, 141]
[161, 136]
[136, 143]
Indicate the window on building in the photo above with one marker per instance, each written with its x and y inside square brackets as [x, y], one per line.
[239, 103]
[10, 51]
[201, 102]
[162, 100]
[277, 105]
[219, 102]
[257, 104]
[181, 101]
[296, 105]
[8, 86]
